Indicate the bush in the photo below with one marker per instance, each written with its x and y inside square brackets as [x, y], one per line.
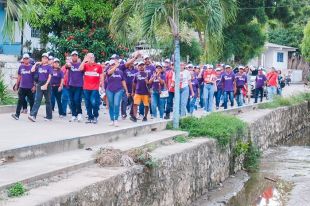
[279, 101]
[252, 157]
[216, 125]
[16, 190]
[5, 97]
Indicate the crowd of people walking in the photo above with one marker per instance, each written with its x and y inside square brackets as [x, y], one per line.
[136, 87]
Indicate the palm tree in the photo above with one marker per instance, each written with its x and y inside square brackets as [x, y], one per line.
[211, 15]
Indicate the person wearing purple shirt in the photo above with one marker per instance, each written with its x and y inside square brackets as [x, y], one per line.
[140, 90]
[115, 90]
[43, 88]
[157, 81]
[260, 82]
[25, 86]
[129, 75]
[228, 81]
[241, 81]
[57, 82]
[75, 82]
[195, 84]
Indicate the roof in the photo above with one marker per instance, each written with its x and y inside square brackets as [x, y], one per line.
[267, 45]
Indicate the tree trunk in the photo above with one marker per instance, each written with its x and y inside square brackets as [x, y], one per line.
[176, 105]
[22, 41]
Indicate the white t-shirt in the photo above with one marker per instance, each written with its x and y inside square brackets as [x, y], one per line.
[185, 77]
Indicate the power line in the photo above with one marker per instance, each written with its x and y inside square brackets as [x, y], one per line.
[276, 6]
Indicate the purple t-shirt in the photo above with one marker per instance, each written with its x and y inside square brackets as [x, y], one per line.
[129, 77]
[150, 69]
[115, 81]
[43, 72]
[260, 80]
[75, 75]
[26, 81]
[141, 85]
[241, 80]
[122, 67]
[219, 83]
[228, 82]
[57, 76]
[195, 84]
[156, 83]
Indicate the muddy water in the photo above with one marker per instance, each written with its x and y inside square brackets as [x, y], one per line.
[283, 179]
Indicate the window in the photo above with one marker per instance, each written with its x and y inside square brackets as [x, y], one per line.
[35, 33]
[280, 57]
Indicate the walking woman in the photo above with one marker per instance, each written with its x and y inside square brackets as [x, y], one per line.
[191, 104]
[57, 82]
[115, 89]
[185, 88]
[219, 90]
[160, 92]
[25, 86]
[43, 88]
[209, 80]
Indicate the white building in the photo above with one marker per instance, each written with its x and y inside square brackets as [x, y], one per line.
[274, 55]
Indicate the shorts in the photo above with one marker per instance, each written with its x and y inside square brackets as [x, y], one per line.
[138, 98]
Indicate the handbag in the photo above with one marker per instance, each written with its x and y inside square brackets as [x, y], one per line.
[164, 94]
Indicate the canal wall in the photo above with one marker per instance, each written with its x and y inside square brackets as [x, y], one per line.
[184, 172]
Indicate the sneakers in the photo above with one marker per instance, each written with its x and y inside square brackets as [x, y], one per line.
[61, 116]
[15, 116]
[140, 116]
[111, 123]
[47, 119]
[144, 119]
[167, 116]
[95, 120]
[73, 119]
[124, 117]
[116, 123]
[32, 118]
[79, 118]
[25, 111]
[134, 119]
[89, 121]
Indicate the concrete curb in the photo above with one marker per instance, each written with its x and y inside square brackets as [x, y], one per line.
[7, 109]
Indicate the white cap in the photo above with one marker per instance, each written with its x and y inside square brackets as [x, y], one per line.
[158, 64]
[190, 65]
[114, 56]
[227, 66]
[112, 61]
[146, 57]
[167, 60]
[218, 69]
[241, 67]
[107, 62]
[140, 63]
[136, 63]
[56, 60]
[210, 66]
[45, 55]
[26, 56]
[74, 53]
[51, 58]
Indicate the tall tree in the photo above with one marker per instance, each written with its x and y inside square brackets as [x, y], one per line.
[215, 15]
[305, 47]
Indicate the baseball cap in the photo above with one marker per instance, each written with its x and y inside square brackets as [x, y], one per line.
[112, 61]
[26, 56]
[241, 67]
[51, 58]
[218, 69]
[56, 60]
[114, 56]
[140, 63]
[227, 66]
[190, 65]
[158, 65]
[210, 66]
[167, 60]
[45, 55]
[146, 57]
[74, 53]
[107, 62]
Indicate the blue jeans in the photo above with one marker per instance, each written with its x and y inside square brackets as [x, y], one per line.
[208, 93]
[92, 102]
[229, 94]
[272, 91]
[158, 102]
[191, 104]
[239, 97]
[169, 105]
[38, 99]
[76, 100]
[279, 91]
[65, 99]
[184, 94]
[218, 95]
[201, 100]
[114, 99]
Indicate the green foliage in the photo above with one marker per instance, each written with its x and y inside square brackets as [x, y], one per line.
[16, 190]
[251, 158]
[305, 46]
[5, 97]
[241, 148]
[180, 139]
[279, 101]
[220, 126]
[286, 36]
[95, 40]
[151, 163]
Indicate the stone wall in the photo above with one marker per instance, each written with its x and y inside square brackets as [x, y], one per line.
[186, 171]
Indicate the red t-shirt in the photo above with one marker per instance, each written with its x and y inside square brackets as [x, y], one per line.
[209, 76]
[65, 71]
[92, 76]
[272, 78]
[169, 75]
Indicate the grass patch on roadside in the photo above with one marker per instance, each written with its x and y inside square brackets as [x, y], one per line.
[180, 139]
[219, 126]
[279, 101]
[17, 190]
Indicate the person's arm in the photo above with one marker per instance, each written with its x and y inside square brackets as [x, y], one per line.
[86, 59]
[112, 70]
[132, 60]
[133, 88]
[125, 87]
[34, 67]
[61, 85]
[44, 87]
[19, 77]
[191, 88]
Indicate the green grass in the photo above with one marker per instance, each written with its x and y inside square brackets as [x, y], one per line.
[180, 139]
[252, 158]
[17, 190]
[285, 101]
[5, 96]
[216, 125]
